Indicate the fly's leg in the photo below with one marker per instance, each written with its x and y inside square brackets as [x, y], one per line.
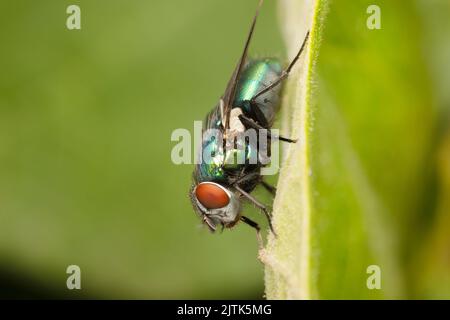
[258, 204]
[244, 178]
[253, 176]
[252, 124]
[262, 122]
[254, 225]
[284, 73]
[269, 187]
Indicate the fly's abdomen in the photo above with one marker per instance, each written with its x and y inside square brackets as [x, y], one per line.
[257, 75]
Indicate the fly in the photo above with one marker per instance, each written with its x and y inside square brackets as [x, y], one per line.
[250, 101]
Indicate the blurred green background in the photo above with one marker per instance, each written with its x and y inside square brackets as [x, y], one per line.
[85, 123]
[86, 118]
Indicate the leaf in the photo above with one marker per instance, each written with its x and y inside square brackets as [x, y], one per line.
[431, 263]
[351, 190]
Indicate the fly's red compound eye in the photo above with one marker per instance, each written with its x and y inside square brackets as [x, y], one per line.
[211, 196]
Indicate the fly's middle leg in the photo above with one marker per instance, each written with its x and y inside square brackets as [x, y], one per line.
[269, 187]
[248, 122]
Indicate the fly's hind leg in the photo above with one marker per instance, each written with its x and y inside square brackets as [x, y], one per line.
[259, 116]
[284, 73]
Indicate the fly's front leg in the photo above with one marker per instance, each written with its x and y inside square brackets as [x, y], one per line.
[254, 225]
[258, 204]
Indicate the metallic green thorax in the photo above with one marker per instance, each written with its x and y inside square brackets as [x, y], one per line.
[256, 75]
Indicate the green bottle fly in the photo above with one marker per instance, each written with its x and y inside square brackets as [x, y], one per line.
[231, 162]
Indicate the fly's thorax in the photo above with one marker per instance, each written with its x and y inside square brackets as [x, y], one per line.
[212, 157]
[226, 151]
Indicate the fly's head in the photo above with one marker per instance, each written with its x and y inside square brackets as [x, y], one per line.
[216, 204]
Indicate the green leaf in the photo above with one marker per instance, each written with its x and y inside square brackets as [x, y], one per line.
[431, 264]
[351, 190]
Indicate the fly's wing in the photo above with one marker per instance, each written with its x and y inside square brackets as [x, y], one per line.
[228, 96]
